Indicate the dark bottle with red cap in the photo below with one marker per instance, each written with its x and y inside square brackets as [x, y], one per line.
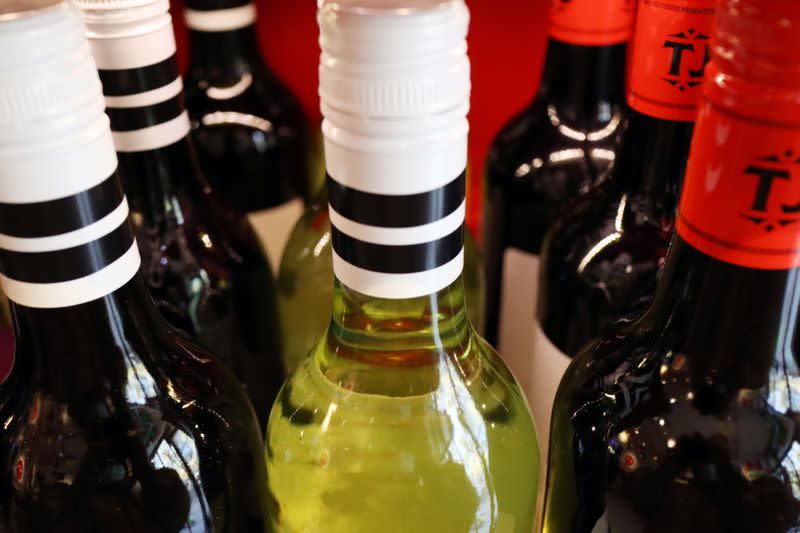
[548, 155]
[687, 418]
[251, 133]
[601, 259]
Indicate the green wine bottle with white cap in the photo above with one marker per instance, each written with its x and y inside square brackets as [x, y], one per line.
[403, 418]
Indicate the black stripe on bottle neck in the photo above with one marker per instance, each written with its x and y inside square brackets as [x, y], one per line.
[389, 211]
[125, 82]
[68, 264]
[137, 118]
[55, 217]
[398, 259]
[215, 5]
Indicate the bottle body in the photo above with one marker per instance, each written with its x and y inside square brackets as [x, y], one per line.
[131, 433]
[428, 439]
[669, 441]
[252, 136]
[602, 257]
[305, 283]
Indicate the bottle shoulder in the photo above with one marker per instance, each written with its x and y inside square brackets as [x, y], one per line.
[605, 236]
[456, 435]
[537, 156]
[254, 93]
[468, 379]
[149, 438]
[210, 278]
[661, 432]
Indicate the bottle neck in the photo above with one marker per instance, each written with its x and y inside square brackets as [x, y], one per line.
[223, 57]
[729, 321]
[158, 181]
[398, 333]
[652, 160]
[583, 83]
[150, 126]
[106, 331]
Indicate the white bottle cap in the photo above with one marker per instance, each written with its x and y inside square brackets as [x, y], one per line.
[55, 146]
[54, 136]
[394, 91]
[392, 58]
[126, 34]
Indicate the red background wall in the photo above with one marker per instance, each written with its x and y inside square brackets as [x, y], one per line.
[506, 41]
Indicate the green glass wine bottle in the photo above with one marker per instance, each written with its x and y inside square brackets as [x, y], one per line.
[403, 418]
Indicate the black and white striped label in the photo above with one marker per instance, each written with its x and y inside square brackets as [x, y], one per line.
[216, 20]
[143, 89]
[66, 251]
[398, 245]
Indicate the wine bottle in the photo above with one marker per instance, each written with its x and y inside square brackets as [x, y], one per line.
[601, 259]
[202, 260]
[403, 418]
[251, 134]
[685, 419]
[549, 155]
[305, 282]
[112, 421]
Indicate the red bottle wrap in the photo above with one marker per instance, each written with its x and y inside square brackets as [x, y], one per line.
[592, 22]
[671, 47]
[741, 196]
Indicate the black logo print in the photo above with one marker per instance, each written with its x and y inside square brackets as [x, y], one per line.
[690, 55]
[770, 170]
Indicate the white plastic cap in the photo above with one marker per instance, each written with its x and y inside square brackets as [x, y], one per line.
[55, 139]
[393, 58]
[114, 19]
[48, 85]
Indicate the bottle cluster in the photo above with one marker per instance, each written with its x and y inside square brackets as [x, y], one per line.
[210, 337]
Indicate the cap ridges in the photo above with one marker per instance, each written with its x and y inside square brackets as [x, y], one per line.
[383, 61]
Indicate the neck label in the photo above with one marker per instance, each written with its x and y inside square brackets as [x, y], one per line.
[671, 48]
[218, 20]
[144, 95]
[67, 251]
[592, 22]
[398, 246]
[741, 197]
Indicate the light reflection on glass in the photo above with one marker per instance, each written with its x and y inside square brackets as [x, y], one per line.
[569, 154]
[607, 130]
[226, 93]
[469, 445]
[224, 118]
[179, 453]
[140, 385]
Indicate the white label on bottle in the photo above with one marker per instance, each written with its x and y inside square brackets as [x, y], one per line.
[518, 311]
[548, 365]
[517, 343]
[273, 227]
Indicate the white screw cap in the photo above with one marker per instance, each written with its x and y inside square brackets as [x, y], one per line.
[393, 58]
[55, 139]
[48, 80]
